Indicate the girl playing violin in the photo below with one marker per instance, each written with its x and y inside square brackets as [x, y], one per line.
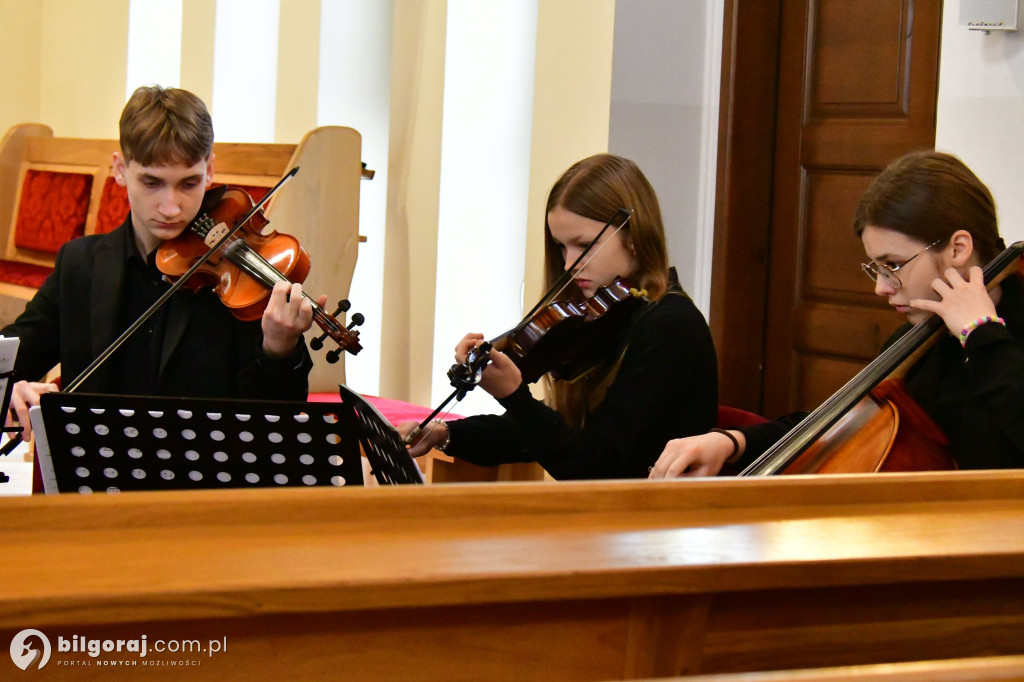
[928, 224]
[657, 380]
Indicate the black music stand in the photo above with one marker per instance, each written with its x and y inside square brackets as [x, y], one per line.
[121, 443]
[14, 432]
[383, 446]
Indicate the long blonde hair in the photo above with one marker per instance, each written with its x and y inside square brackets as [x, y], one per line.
[595, 188]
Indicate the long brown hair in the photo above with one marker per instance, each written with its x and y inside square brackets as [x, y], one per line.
[596, 187]
[929, 195]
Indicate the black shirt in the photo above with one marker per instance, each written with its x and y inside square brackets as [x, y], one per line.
[139, 356]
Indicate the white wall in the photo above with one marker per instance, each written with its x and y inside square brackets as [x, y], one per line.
[664, 116]
[981, 111]
[354, 90]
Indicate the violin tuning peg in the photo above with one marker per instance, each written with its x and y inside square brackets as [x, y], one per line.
[333, 355]
[343, 305]
[357, 319]
[318, 342]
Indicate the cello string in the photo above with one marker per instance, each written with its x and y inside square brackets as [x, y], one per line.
[886, 364]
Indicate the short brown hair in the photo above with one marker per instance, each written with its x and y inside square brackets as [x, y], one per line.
[929, 195]
[165, 125]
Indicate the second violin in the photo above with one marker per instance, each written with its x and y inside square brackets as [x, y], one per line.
[567, 338]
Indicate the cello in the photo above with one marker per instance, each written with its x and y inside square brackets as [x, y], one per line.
[871, 424]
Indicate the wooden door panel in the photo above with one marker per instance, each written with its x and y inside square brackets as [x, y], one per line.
[831, 198]
[846, 331]
[857, 88]
[846, 37]
[818, 376]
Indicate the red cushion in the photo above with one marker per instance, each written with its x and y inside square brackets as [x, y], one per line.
[52, 210]
[114, 206]
[734, 418]
[23, 273]
[395, 411]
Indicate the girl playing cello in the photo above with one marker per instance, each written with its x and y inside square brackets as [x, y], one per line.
[928, 224]
[657, 381]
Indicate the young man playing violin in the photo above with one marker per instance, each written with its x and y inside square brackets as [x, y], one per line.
[928, 224]
[656, 379]
[101, 284]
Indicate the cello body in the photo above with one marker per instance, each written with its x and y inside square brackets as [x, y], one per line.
[886, 431]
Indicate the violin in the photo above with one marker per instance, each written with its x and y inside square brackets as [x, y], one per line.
[564, 338]
[246, 267]
[871, 424]
[567, 338]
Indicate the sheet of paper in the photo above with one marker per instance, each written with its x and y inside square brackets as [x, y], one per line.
[8, 351]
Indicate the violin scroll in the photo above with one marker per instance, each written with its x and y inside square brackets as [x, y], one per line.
[346, 338]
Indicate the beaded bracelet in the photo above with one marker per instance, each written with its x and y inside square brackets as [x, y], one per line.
[447, 431]
[735, 444]
[971, 326]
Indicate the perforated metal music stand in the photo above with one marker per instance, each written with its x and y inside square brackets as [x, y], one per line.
[381, 443]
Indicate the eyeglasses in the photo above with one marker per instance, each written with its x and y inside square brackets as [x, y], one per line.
[888, 273]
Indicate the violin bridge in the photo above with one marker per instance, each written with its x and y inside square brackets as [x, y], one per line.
[215, 234]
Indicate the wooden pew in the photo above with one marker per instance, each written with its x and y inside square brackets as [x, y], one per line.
[571, 581]
[956, 670]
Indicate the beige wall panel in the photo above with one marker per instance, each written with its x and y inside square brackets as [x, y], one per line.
[21, 29]
[414, 162]
[84, 62]
[198, 25]
[298, 72]
[571, 105]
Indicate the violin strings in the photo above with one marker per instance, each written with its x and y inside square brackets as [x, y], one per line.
[238, 251]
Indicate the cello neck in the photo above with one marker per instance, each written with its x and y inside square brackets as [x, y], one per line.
[894, 361]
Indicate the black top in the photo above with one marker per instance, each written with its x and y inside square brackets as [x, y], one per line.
[204, 351]
[975, 394]
[666, 387]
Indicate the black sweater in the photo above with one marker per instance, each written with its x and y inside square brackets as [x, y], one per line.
[666, 387]
[975, 394]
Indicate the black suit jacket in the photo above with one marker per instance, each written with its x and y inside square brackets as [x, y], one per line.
[207, 352]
